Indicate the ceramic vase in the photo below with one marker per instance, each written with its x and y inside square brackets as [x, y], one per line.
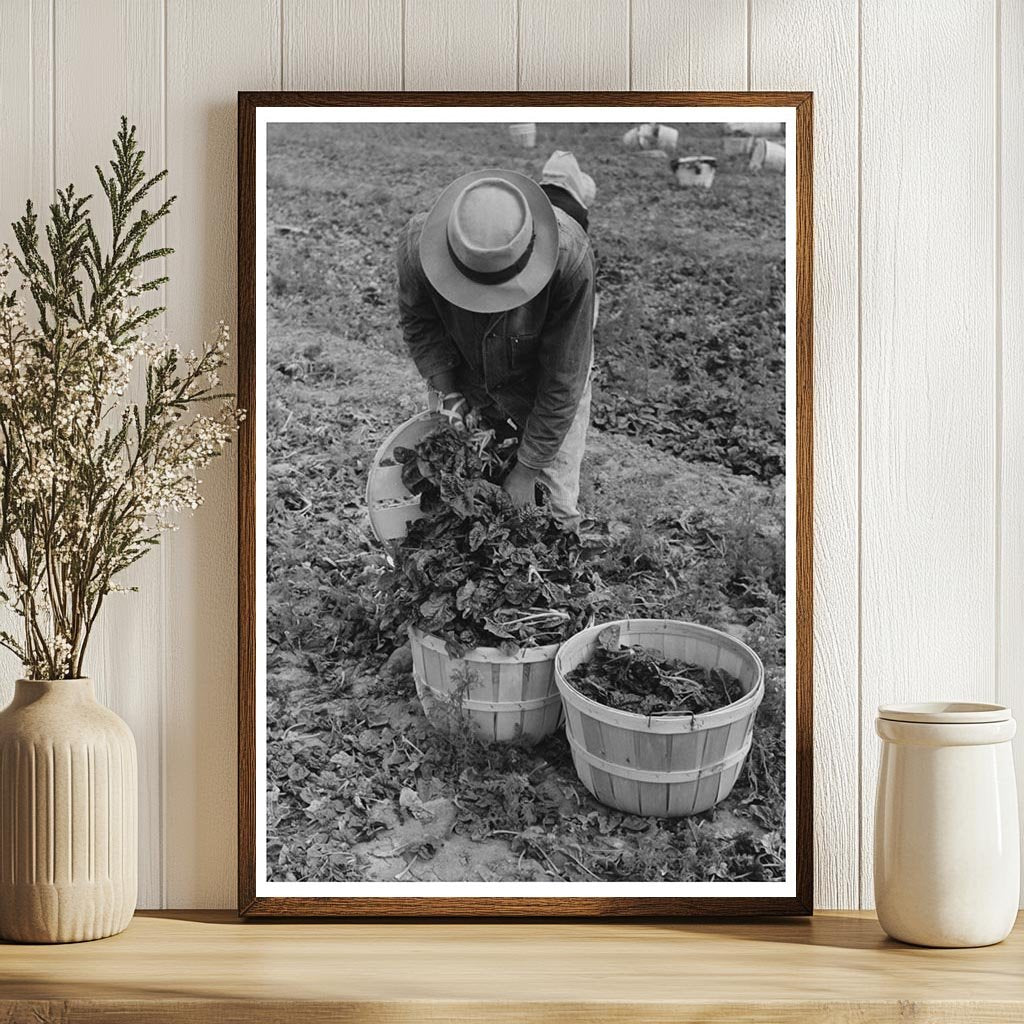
[947, 848]
[68, 815]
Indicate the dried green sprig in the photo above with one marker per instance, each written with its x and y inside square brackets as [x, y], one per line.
[88, 477]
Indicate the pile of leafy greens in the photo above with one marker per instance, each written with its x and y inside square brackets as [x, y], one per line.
[638, 680]
[475, 570]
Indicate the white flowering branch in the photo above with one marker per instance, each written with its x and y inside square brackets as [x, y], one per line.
[89, 478]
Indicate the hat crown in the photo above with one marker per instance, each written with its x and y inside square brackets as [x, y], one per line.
[511, 236]
[490, 225]
[563, 170]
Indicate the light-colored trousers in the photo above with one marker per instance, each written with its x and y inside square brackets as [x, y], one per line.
[562, 477]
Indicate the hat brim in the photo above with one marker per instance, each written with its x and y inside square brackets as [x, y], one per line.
[465, 293]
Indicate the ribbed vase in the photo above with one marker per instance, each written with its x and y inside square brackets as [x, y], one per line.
[68, 815]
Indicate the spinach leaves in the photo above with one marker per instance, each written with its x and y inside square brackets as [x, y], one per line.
[475, 570]
[635, 679]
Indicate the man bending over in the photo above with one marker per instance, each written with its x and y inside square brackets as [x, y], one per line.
[496, 301]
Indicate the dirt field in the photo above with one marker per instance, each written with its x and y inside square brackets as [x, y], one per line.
[684, 462]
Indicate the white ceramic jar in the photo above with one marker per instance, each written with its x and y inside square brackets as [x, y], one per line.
[947, 848]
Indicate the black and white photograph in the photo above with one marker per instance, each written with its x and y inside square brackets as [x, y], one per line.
[525, 486]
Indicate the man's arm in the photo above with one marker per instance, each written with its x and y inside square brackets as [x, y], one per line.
[431, 349]
[565, 353]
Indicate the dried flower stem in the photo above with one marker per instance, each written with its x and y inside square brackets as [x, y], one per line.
[89, 478]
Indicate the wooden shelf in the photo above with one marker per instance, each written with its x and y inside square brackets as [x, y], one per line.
[203, 967]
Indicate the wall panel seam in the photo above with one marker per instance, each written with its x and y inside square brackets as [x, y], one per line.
[31, 89]
[629, 40]
[519, 41]
[53, 97]
[749, 44]
[164, 674]
[997, 233]
[859, 867]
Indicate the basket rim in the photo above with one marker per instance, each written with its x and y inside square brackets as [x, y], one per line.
[696, 722]
[488, 654]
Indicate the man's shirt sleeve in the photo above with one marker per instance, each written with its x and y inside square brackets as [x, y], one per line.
[565, 354]
[428, 342]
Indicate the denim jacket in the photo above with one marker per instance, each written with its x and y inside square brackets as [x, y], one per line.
[529, 364]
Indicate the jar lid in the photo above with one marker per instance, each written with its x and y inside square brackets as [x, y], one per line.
[945, 713]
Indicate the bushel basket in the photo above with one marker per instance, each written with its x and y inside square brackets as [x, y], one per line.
[500, 697]
[664, 765]
[389, 502]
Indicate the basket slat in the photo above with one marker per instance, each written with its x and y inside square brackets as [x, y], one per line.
[510, 698]
[688, 750]
[653, 798]
[603, 785]
[682, 799]
[593, 736]
[716, 745]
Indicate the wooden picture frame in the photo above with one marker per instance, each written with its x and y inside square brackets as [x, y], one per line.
[252, 904]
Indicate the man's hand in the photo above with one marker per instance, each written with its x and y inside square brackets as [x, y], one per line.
[459, 412]
[520, 485]
[455, 406]
[451, 402]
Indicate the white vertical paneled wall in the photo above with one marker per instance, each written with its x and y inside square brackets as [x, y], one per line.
[929, 348]
[1008, 216]
[919, 317]
[829, 67]
[126, 662]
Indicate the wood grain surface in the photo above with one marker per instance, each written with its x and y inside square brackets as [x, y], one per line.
[801, 853]
[200, 967]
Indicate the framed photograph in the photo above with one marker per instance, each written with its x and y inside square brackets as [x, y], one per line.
[525, 504]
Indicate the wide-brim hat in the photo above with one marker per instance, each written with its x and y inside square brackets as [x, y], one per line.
[490, 267]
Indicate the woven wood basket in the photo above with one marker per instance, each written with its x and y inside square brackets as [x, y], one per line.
[389, 502]
[665, 765]
[502, 698]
